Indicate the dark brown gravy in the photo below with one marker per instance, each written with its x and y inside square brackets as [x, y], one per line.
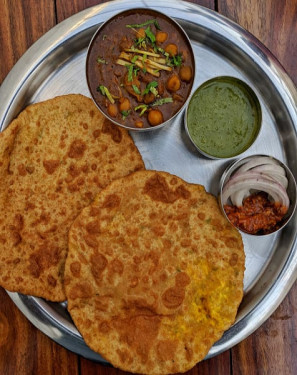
[111, 40]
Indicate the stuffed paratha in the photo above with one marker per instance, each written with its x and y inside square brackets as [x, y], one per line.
[154, 273]
[54, 158]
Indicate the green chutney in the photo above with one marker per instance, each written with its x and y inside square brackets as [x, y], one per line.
[223, 117]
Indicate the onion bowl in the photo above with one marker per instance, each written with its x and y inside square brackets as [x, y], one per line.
[251, 183]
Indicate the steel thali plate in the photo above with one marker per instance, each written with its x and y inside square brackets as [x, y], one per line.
[55, 65]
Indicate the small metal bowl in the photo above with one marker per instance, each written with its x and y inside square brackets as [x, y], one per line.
[223, 117]
[291, 191]
[96, 47]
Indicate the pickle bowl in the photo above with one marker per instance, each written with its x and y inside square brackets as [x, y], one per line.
[246, 178]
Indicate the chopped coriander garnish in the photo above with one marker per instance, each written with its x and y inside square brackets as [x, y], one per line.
[140, 42]
[101, 88]
[150, 86]
[162, 101]
[104, 91]
[149, 22]
[130, 72]
[159, 49]
[134, 59]
[177, 60]
[154, 91]
[136, 89]
[166, 54]
[150, 35]
[174, 60]
[170, 61]
[125, 113]
[143, 108]
[100, 60]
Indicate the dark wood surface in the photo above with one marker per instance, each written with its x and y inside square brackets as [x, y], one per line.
[272, 349]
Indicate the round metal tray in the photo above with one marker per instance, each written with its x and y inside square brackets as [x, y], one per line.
[55, 65]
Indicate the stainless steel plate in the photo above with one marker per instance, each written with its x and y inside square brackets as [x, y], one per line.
[54, 65]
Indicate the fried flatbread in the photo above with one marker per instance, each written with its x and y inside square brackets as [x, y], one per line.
[54, 158]
[154, 273]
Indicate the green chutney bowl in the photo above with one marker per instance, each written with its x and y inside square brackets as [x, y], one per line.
[223, 117]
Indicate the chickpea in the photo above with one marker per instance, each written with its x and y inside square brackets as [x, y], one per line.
[149, 98]
[155, 117]
[185, 73]
[141, 33]
[161, 36]
[173, 83]
[125, 43]
[161, 87]
[171, 49]
[176, 97]
[124, 104]
[138, 124]
[185, 55]
[112, 110]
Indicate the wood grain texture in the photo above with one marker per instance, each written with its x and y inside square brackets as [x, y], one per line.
[272, 348]
[26, 351]
[278, 31]
[219, 365]
[21, 26]
[66, 9]
[205, 3]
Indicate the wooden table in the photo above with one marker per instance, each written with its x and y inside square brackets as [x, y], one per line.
[272, 349]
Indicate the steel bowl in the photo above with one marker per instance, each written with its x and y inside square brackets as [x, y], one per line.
[291, 191]
[217, 119]
[98, 32]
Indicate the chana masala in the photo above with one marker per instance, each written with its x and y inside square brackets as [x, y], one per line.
[140, 68]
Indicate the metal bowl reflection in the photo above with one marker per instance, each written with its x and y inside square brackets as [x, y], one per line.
[229, 174]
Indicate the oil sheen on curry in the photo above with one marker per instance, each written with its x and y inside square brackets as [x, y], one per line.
[140, 68]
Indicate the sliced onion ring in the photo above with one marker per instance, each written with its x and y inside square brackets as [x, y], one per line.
[255, 181]
[262, 173]
[256, 162]
[238, 197]
[269, 168]
[273, 171]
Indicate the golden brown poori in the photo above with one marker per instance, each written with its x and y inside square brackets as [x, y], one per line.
[54, 158]
[154, 273]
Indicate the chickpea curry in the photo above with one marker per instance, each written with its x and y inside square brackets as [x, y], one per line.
[140, 68]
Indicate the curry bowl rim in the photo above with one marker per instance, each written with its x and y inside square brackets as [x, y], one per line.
[191, 50]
